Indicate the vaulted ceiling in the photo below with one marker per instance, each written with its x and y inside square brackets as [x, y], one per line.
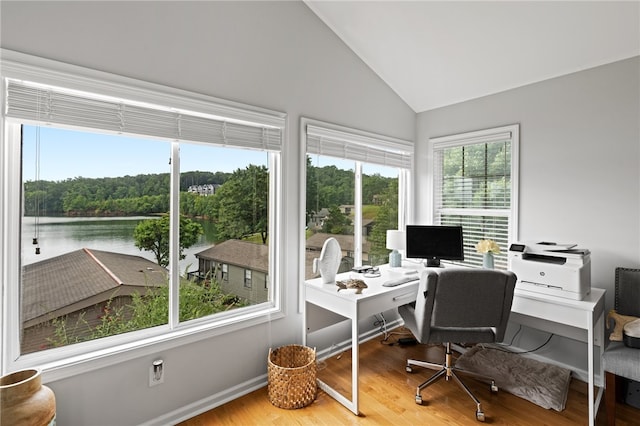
[437, 53]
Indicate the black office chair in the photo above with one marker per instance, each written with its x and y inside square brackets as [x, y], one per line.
[459, 305]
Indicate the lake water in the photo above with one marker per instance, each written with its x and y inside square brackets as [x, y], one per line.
[60, 235]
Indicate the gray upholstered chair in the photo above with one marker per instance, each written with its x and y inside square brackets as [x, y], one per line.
[459, 305]
[618, 359]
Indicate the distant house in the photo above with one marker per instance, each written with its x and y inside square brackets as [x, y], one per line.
[240, 267]
[317, 219]
[80, 286]
[346, 209]
[204, 190]
[367, 226]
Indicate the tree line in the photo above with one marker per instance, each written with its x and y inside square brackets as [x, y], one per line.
[111, 196]
[238, 208]
[147, 194]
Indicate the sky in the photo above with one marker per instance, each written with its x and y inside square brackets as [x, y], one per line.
[98, 155]
[104, 155]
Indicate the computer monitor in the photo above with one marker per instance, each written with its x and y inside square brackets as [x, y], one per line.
[433, 242]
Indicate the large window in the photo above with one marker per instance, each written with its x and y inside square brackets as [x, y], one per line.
[475, 181]
[124, 207]
[355, 191]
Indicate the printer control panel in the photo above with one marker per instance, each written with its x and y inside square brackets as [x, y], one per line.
[517, 247]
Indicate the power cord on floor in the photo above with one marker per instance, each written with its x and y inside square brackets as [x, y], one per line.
[404, 336]
[503, 347]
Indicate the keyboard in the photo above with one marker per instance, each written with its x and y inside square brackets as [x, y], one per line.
[401, 280]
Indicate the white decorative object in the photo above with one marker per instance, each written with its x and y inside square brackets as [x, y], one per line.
[329, 261]
[396, 240]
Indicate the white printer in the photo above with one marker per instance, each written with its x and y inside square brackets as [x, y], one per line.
[550, 268]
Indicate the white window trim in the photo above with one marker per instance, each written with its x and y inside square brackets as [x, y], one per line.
[511, 132]
[63, 362]
[225, 272]
[248, 282]
[357, 138]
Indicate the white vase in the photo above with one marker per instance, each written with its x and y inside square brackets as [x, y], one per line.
[487, 260]
[329, 261]
[395, 259]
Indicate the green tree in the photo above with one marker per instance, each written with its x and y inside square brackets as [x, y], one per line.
[373, 185]
[153, 235]
[336, 222]
[313, 202]
[386, 218]
[243, 203]
[474, 175]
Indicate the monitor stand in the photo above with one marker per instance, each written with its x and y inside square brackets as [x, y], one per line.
[432, 263]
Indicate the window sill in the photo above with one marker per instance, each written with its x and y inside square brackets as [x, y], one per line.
[78, 363]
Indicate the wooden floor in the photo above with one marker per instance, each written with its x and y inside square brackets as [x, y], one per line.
[387, 398]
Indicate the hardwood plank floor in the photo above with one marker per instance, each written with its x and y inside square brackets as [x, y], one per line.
[387, 398]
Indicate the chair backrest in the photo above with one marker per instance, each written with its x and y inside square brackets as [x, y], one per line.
[627, 297]
[472, 299]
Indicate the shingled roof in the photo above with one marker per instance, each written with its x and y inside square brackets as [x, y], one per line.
[239, 253]
[82, 278]
[316, 241]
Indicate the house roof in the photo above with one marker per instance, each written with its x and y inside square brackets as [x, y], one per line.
[79, 276]
[316, 241]
[240, 253]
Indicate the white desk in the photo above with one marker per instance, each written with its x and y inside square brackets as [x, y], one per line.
[347, 303]
[561, 316]
[577, 319]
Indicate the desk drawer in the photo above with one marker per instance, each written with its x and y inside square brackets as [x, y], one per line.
[401, 295]
[561, 314]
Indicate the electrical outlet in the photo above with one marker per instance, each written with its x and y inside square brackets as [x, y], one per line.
[156, 373]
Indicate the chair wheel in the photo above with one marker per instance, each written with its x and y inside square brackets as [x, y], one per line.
[418, 399]
[480, 416]
[494, 388]
[408, 369]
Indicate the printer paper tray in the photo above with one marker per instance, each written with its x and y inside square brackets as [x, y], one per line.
[548, 289]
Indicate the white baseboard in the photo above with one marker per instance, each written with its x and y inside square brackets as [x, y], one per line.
[209, 403]
[213, 401]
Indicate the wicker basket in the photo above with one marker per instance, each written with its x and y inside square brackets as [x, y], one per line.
[292, 376]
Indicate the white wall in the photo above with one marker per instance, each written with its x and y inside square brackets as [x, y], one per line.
[276, 55]
[579, 161]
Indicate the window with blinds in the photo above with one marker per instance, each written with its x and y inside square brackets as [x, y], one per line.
[118, 193]
[357, 186]
[357, 147]
[475, 186]
[33, 102]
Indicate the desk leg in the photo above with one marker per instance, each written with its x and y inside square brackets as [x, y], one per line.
[355, 361]
[590, 347]
[353, 403]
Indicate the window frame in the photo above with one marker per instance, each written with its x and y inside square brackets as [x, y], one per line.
[502, 133]
[66, 361]
[224, 272]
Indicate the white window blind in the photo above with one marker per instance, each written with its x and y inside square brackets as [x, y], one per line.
[57, 105]
[475, 184]
[358, 147]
